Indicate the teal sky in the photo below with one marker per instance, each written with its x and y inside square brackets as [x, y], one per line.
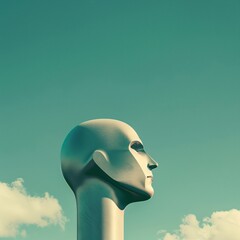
[170, 68]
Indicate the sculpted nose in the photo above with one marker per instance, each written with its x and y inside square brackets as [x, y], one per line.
[152, 163]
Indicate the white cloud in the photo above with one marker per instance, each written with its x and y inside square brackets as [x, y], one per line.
[17, 208]
[222, 225]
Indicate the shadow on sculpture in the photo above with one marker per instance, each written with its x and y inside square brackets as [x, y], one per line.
[105, 164]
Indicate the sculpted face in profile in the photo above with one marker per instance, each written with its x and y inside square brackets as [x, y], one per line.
[106, 166]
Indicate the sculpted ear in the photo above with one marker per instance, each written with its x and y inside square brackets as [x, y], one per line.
[101, 159]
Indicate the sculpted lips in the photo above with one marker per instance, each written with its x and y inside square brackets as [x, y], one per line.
[151, 177]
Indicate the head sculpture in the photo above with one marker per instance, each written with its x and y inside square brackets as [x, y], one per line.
[116, 150]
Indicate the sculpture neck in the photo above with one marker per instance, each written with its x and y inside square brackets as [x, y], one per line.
[99, 217]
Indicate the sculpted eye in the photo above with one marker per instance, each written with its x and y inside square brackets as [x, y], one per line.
[137, 146]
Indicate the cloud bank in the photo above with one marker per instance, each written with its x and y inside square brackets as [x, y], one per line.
[17, 208]
[222, 225]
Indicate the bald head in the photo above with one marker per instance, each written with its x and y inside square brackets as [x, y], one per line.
[112, 145]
